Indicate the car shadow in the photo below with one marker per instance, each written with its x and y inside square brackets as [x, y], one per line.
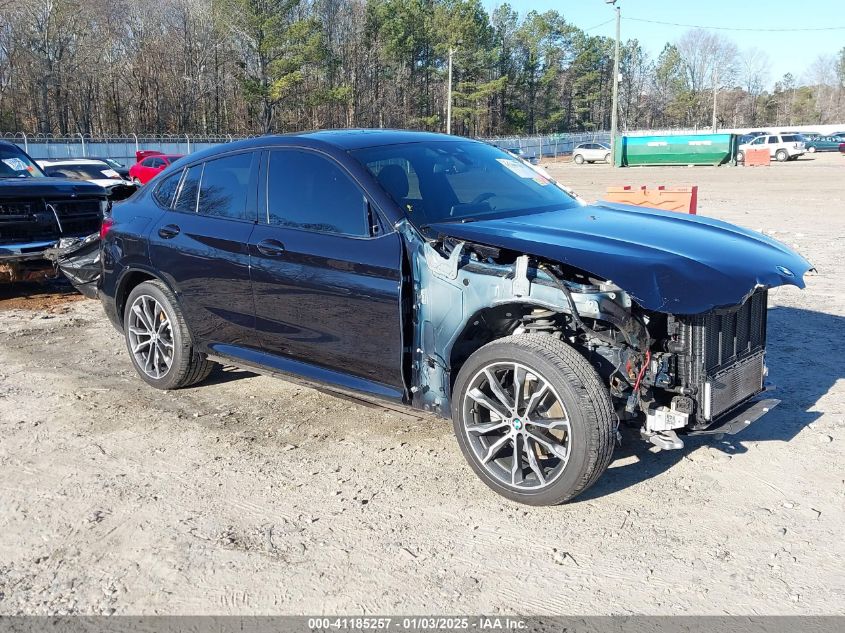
[804, 355]
[221, 374]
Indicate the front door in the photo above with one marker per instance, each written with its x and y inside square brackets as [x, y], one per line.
[326, 284]
[201, 246]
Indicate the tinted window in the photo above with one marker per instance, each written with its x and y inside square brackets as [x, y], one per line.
[166, 190]
[308, 191]
[773, 140]
[225, 186]
[82, 172]
[186, 199]
[790, 139]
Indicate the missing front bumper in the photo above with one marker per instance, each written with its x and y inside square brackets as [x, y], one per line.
[741, 418]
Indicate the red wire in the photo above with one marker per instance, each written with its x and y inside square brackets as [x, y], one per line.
[642, 370]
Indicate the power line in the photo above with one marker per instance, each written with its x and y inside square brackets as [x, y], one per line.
[597, 26]
[735, 28]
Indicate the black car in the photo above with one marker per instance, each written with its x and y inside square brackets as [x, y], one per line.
[37, 212]
[446, 275]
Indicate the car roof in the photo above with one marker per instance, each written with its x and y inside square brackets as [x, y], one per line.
[71, 161]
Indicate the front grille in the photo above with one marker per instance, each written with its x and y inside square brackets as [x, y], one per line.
[36, 221]
[725, 356]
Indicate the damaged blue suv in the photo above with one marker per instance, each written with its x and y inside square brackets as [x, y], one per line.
[447, 275]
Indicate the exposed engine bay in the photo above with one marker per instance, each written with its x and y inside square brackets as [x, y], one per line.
[666, 373]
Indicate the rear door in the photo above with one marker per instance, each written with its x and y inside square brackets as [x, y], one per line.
[200, 245]
[326, 282]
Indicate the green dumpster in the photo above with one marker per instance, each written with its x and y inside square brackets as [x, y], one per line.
[683, 149]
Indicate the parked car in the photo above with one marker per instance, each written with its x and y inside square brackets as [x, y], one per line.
[37, 212]
[96, 171]
[119, 167]
[149, 167]
[591, 153]
[520, 153]
[442, 274]
[842, 148]
[782, 147]
[824, 143]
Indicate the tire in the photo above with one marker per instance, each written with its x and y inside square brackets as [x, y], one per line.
[782, 155]
[579, 160]
[583, 446]
[607, 158]
[159, 306]
[811, 149]
[740, 156]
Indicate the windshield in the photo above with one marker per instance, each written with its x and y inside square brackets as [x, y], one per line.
[460, 181]
[84, 171]
[15, 164]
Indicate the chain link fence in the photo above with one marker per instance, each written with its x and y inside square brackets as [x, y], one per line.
[123, 148]
[119, 148]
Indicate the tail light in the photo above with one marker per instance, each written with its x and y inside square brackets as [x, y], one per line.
[105, 227]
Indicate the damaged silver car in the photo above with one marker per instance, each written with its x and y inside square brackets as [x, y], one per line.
[447, 275]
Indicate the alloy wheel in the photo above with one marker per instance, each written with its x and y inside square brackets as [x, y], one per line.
[517, 426]
[150, 336]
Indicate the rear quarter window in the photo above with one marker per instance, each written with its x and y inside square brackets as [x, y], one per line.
[165, 192]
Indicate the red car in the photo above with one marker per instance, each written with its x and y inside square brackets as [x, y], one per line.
[842, 148]
[149, 165]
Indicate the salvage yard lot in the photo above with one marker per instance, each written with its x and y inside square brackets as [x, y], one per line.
[248, 494]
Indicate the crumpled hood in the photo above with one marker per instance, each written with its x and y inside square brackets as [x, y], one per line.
[667, 261]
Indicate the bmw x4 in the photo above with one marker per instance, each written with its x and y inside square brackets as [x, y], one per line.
[449, 276]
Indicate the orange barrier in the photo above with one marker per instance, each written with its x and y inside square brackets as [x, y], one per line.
[758, 158]
[682, 199]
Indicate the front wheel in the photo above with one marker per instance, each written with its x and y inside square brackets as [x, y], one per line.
[782, 155]
[533, 419]
[158, 339]
[579, 160]
[607, 158]
[740, 156]
[812, 150]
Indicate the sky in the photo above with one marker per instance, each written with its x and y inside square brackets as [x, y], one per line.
[788, 52]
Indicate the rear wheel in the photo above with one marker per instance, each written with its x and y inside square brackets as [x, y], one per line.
[579, 160]
[740, 156]
[811, 149]
[533, 419]
[782, 155]
[158, 340]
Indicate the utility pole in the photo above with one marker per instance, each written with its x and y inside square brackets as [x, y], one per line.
[614, 116]
[449, 98]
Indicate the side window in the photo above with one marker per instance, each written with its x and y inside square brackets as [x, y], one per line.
[186, 198]
[166, 190]
[225, 186]
[308, 191]
[147, 162]
[774, 140]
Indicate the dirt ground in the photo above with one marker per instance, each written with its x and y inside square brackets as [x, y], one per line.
[252, 495]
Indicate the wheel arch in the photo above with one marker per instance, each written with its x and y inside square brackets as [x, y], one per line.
[129, 280]
[487, 324]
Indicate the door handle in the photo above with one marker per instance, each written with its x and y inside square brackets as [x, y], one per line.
[168, 231]
[270, 248]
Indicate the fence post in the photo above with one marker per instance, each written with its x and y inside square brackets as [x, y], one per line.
[136, 143]
[25, 143]
[187, 138]
[82, 138]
